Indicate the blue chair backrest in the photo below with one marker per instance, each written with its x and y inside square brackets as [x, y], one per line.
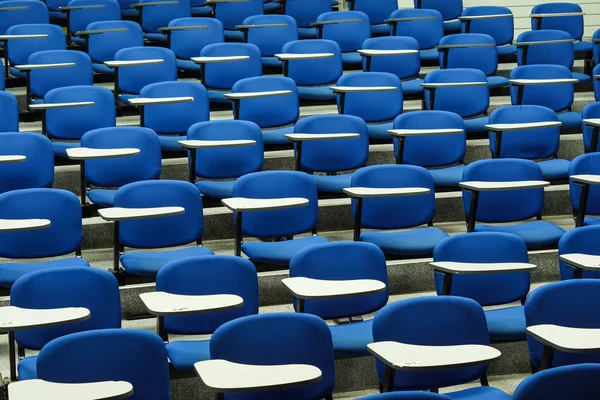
[450, 9]
[188, 43]
[175, 118]
[130, 355]
[278, 184]
[350, 35]
[19, 50]
[581, 240]
[529, 143]
[72, 123]
[573, 25]
[553, 304]
[482, 58]
[271, 40]
[466, 101]
[485, 247]
[208, 275]
[224, 75]
[342, 261]
[38, 168]
[558, 97]
[432, 151]
[507, 205]
[166, 231]
[10, 112]
[501, 29]
[334, 155]
[404, 66]
[395, 212]
[79, 19]
[227, 162]
[596, 83]
[590, 111]
[44, 80]
[372, 106]
[305, 12]
[292, 339]
[571, 381]
[91, 288]
[411, 395]
[113, 172]
[451, 320]
[35, 13]
[158, 17]
[232, 14]
[558, 53]
[377, 11]
[62, 237]
[104, 46]
[268, 112]
[596, 49]
[318, 71]
[133, 79]
[585, 164]
[427, 32]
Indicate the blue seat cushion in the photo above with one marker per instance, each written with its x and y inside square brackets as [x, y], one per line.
[57, 15]
[270, 62]
[497, 81]
[102, 69]
[447, 177]
[476, 124]
[147, 263]
[16, 73]
[129, 12]
[570, 119]
[591, 221]
[583, 47]
[535, 234]
[506, 323]
[316, 93]
[479, 393]
[218, 96]
[507, 50]
[185, 353]
[554, 169]
[452, 26]
[11, 271]
[188, 65]
[233, 36]
[102, 197]
[279, 253]
[203, 11]
[277, 135]
[156, 37]
[27, 368]
[380, 30]
[124, 98]
[77, 40]
[171, 142]
[351, 58]
[270, 6]
[216, 189]
[413, 86]
[581, 77]
[60, 148]
[332, 183]
[414, 242]
[351, 340]
[307, 33]
[429, 55]
[380, 131]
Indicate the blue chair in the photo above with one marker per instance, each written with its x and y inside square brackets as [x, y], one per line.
[64, 125]
[332, 156]
[377, 108]
[157, 15]
[396, 212]
[509, 205]
[559, 96]
[37, 171]
[105, 42]
[219, 77]
[10, 112]
[469, 97]
[344, 261]
[292, 339]
[275, 115]
[378, 12]
[19, 12]
[553, 304]
[582, 240]
[306, 12]
[206, 275]
[570, 24]
[269, 33]
[228, 163]
[127, 11]
[596, 48]
[172, 121]
[162, 232]
[91, 288]
[405, 66]
[442, 150]
[575, 381]
[115, 172]
[596, 83]
[451, 320]
[189, 36]
[590, 134]
[314, 76]
[496, 21]
[531, 144]
[411, 395]
[130, 355]
[62, 237]
[426, 26]
[81, 13]
[281, 223]
[586, 204]
[450, 10]
[54, 8]
[200, 9]
[558, 49]
[349, 29]
[479, 52]
[504, 324]
[232, 14]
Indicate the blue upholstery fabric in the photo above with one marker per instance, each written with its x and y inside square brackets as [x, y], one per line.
[570, 119]
[581, 77]
[279, 253]
[507, 50]
[574, 381]
[479, 393]
[412, 87]
[305, 13]
[497, 81]
[188, 65]
[103, 47]
[277, 135]
[171, 142]
[555, 169]
[409, 395]
[582, 240]
[585, 164]
[233, 36]
[185, 353]
[149, 263]
[332, 183]
[155, 17]
[307, 33]
[10, 271]
[218, 96]
[155, 37]
[380, 30]
[351, 340]
[271, 62]
[37, 170]
[417, 242]
[476, 124]
[535, 234]
[427, 32]
[452, 26]
[506, 323]
[591, 221]
[27, 368]
[583, 46]
[216, 189]
[271, 39]
[352, 58]
[35, 14]
[429, 54]
[204, 11]
[447, 177]
[316, 93]
[380, 131]
[102, 197]
[350, 35]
